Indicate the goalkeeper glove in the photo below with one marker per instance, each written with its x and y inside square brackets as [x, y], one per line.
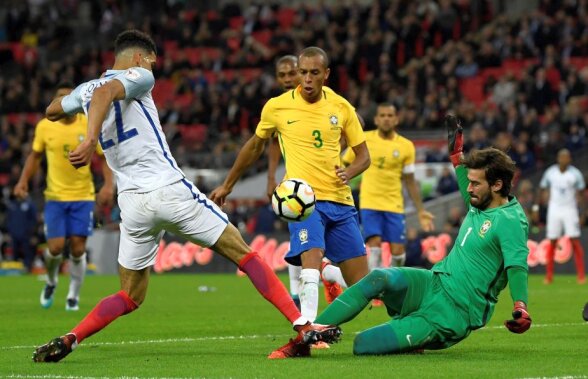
[454, 139]
[521, 321]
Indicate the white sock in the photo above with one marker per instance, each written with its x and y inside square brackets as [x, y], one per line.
[77, 272]
[294, 274]
[375, 258]
[52, 263]
[398, 260]
[333, 274]
[309, 279]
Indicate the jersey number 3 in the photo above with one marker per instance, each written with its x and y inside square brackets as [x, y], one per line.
[120, 132]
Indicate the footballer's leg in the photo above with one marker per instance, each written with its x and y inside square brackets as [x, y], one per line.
[294, 277]
[585, 312]
[133, 289]
[79, 225]
[77, 271]
[404, 335]
[231, 245]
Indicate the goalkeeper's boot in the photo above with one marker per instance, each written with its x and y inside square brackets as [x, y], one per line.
[55, 350]
[47, 296]
[72, 304]
[332, 289]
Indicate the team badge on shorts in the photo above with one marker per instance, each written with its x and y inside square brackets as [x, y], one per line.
[303, 236]
[485, 227]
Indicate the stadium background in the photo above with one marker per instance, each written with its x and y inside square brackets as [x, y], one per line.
[515, 72]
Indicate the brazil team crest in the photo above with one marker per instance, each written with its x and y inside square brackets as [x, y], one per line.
[303, 236]
[334, 120]
[81, 137]
[485, 227]
[396, 153]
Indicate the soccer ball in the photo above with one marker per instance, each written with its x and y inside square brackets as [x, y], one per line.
[293, 200]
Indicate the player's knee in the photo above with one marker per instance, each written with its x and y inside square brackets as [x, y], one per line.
[377, 278]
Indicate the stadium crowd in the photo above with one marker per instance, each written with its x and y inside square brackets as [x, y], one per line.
[519, 83]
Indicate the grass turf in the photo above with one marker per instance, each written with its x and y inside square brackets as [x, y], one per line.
[227, 333]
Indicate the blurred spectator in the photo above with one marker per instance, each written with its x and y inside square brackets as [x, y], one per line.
[447, 183]
[21, 225]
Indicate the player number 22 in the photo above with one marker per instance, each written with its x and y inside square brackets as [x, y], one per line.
[120, 131]
[317, 137]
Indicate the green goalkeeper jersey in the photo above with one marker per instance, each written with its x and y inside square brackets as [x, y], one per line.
[489, 242]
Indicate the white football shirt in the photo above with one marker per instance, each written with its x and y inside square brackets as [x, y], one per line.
[132, 138]
[563, 186]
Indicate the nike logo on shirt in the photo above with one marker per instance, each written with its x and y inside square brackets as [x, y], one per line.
[291, 122]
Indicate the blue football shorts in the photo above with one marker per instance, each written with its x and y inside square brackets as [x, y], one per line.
[388, 225]
[332, 227]
[68, 218]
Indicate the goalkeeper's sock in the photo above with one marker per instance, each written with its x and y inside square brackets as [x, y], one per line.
[52, 263]
[375, 257]
[270, 287]
[345, 307]
[77, 272]
[309, 278]
[398, 260]
[549, 262]
[579, 258]
[107, 310]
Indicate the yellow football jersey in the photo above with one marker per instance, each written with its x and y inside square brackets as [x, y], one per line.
[309, 136]
[57, 139]
[381, 184]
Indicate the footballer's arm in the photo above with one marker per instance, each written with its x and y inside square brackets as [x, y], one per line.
[274, 155]
[249, 153]
[361, 162]
[425, 218]
[21, 189]
[100, 104]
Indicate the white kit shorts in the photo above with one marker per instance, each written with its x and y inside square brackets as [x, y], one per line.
[179, 208]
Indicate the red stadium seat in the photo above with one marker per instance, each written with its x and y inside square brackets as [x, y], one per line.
[285, 17]
[263, 36]
[473, 89]
[164, 91]
[237, 22]
[193, 133]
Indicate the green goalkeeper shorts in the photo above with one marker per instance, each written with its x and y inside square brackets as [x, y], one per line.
[428, 318]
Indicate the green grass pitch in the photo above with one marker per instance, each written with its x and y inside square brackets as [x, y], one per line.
[180, 332]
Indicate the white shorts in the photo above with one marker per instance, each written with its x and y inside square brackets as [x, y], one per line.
[563, 222]
[179, 208]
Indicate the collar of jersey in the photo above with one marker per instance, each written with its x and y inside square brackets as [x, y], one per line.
[298, 97]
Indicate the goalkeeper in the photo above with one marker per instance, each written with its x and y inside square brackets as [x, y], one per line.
[437, 308]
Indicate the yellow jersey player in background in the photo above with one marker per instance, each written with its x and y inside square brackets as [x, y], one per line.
[380, 197]
[310, 124]
[69, 198]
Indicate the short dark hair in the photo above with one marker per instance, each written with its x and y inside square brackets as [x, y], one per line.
[496, 164]
[134, 38]
[64, 84]
[287, 59]
[313, 51]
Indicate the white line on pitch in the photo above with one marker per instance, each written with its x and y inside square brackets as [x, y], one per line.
[256, 336]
